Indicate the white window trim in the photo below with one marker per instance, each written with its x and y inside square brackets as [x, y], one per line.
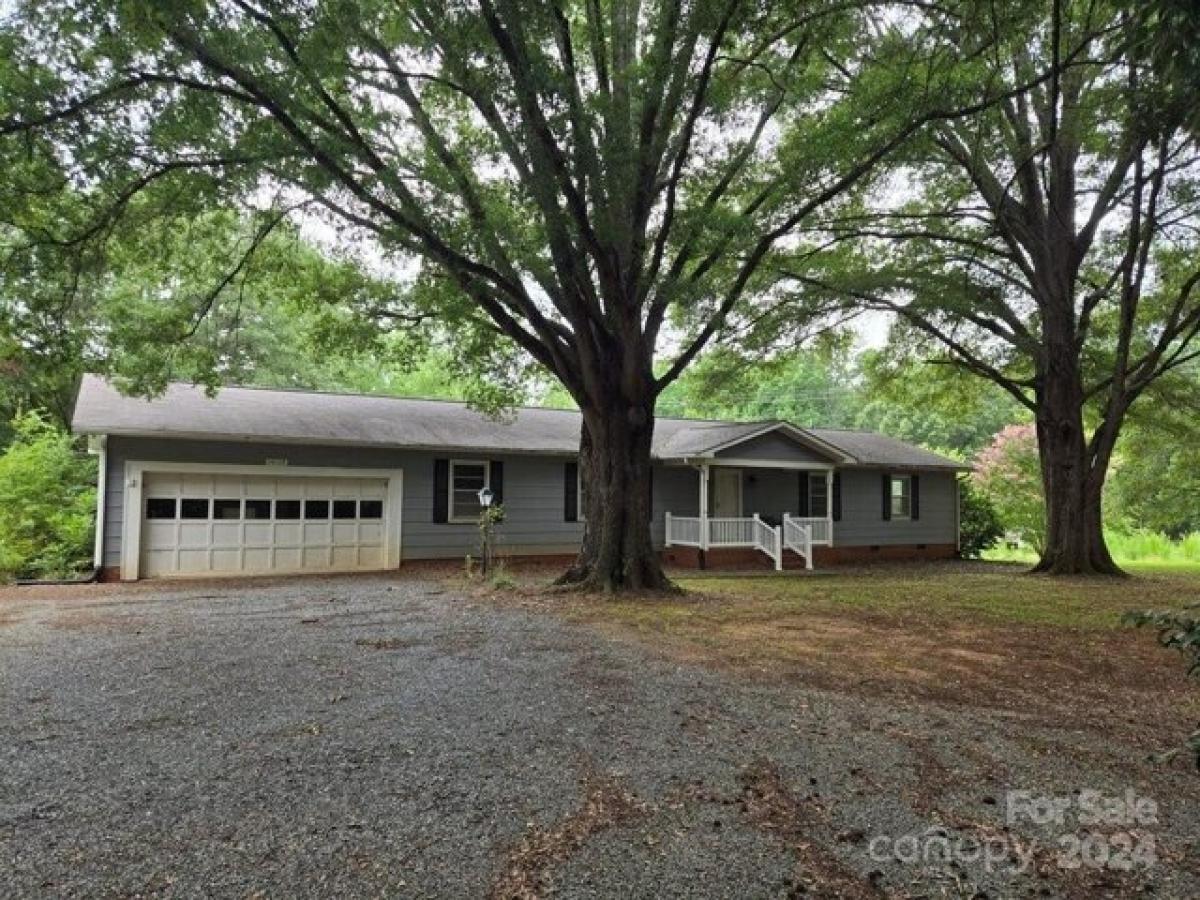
[135, 475]
[900, 517]
[487, 483]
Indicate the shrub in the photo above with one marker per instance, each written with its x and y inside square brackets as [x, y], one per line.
[979, 526]
[1177, 630]
[1008, 473]
[47, 502]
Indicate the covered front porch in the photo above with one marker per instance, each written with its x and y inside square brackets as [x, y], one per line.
[776, 508]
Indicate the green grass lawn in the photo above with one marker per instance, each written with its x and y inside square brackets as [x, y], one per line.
[1135, 553]
[976, 633]
[980, 592]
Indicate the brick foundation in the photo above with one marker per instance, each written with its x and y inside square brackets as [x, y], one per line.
[747, 558]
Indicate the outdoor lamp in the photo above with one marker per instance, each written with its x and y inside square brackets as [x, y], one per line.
[485, 497]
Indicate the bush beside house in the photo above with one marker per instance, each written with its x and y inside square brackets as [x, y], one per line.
[47, 502]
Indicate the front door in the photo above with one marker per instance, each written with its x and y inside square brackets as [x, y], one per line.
[726, 493]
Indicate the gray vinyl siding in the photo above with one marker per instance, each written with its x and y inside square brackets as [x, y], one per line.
[772, 446]
[771, 492]
[676, 491]
[533, 492]
[862, 523]
[533, 496]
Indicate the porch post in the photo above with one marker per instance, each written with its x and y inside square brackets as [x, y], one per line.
[829, 505]
[704, 507]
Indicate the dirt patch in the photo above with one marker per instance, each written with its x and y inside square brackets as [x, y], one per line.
[930, 797]
[769, 804]
[525, 872]
[1115, 680]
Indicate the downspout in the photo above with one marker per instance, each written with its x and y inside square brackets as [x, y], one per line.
[98, 446]
[958, 480]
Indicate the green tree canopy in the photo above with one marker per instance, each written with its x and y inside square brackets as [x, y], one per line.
[1047, 244]
[567, 176]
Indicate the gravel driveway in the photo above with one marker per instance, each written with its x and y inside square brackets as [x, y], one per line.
[372, 736]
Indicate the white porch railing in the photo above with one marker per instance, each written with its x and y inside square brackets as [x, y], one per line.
[769, 540]
[731, 532]
[798, 537]
[821, 528]
[684, 531]
[693, 531]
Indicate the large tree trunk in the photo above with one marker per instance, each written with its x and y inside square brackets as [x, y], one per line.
[1072, 478]
[617, 553]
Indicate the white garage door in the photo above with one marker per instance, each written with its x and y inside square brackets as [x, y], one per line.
[226, 524]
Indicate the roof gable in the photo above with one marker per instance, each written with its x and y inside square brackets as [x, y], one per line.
[781, 444]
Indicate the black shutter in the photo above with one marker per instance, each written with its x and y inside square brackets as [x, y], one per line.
[915, 499]
[496, 481]
[441, 490]
[887, 496]
[837, 496]
[804, 507]
[571, 492]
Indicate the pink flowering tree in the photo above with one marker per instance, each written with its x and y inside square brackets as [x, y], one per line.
[1008, 473]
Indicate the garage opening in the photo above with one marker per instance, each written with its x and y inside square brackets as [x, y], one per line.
[224, 523]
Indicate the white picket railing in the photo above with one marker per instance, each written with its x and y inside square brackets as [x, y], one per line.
[798, 537]
[821, 528]
[692, 531]
[684, 531]
[731, 532]
[769, 540]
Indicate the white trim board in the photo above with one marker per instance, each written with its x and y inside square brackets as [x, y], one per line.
[730, 462]
[135, 471]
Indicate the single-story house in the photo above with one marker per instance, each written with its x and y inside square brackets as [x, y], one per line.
[274, 481]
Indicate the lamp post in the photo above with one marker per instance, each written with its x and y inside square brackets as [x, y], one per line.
[485, 529]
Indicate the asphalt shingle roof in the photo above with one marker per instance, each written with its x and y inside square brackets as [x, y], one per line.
[260, 414]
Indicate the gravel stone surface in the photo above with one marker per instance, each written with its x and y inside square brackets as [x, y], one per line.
[385, 736]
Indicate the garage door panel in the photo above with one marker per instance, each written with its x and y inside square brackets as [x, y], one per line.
[257, 559]
[319, 488]
[158, 562]
[345, 534]
[259, 486]
[193, 562]
[210, 537]
[194, 535]
[258, 534]
[158, 535]
[228, 485]
[226, 560]
[316, 558]
[289, 488]
[288, 534]
[195, 485]
[226, 534]
[288, 559]
[317, 533]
